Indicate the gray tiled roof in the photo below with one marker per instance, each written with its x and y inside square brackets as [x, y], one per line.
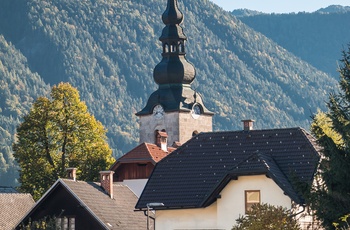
[117, 213]
[194, 174]
[5, 189]
[13, 206]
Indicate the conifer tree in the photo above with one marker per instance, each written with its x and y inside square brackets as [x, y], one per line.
[330, 198]
[57, 134]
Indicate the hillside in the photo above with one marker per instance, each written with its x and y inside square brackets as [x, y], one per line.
[18, 88]
[315, 37]
[108, 49]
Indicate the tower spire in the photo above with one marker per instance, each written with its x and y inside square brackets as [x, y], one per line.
[174, 108]
[174, 68]
[172, 14]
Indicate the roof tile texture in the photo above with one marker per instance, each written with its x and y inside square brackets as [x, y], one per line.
[145, 152]
[13, 206]
[188, 176]
[117, 213]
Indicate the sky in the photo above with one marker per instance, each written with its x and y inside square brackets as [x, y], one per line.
[279, 6]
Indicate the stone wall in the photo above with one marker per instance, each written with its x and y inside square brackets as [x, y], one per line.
[178, 125]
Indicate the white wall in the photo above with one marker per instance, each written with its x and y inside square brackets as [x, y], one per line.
[223, 213]
[203, 218]
[178, 125]
[232, 202]
[135, 185]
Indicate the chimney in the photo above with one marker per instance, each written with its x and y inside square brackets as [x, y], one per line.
[176, 144]
[248, 124]
[72, 173]
[161, 140]
[107, 182]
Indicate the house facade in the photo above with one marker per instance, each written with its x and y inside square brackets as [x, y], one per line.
[222, 214]
[214, 178]
[80, 205]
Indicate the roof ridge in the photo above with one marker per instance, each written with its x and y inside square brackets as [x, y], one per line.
[149, 151]
[250, 131]
[212, 159]
[244, 161]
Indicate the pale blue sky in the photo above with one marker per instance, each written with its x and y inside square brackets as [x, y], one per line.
[279, 6]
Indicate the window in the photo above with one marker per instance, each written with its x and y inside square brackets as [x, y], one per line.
[251, 197]
[65, 223]
[166, 48]
[181, 47]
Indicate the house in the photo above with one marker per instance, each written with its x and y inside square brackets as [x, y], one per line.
[13, 205]
[134, 167]
[88, 205]
[215, 177]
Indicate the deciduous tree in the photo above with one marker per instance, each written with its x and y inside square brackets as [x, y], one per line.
[56, 134]
[265, 216]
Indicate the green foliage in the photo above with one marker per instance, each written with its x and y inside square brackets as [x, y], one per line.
[19, 87]
[323, 123]
[323, 35]
[343, 223]
[58, 134]
[265, 216]
[47, 223]
[331, 197]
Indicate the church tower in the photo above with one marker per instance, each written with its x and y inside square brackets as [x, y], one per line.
[174, 108]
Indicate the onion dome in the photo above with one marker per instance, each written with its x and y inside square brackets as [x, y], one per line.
[174, 74]
[172, 14]
[174, 68]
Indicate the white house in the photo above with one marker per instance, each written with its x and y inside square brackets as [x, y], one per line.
[215, 177]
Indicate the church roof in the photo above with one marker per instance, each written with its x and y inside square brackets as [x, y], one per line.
[173, 68]
[194, 174]
[144, 152]
[174, 74]
[174, 98]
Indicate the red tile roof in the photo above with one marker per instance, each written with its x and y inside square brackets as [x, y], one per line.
[144, 152]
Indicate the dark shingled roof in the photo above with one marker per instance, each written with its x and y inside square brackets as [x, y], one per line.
[194, 174]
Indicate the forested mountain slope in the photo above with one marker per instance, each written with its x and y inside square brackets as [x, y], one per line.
[18, 88]
[314, 37]
[108, 49]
